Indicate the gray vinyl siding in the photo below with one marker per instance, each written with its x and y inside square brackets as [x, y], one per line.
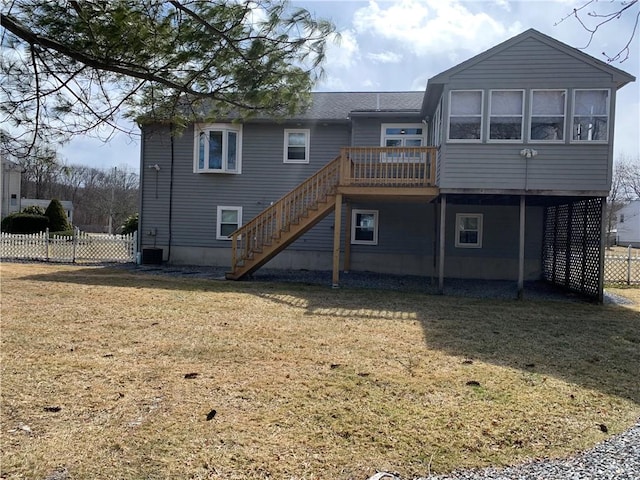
[264, 179]
[566, 166]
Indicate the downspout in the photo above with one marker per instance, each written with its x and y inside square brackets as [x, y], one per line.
[140, 194]
[171, 126]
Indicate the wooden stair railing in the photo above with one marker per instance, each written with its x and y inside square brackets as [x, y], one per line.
[259, 240]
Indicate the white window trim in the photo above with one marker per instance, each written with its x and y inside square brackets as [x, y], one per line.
[224, 127]
[220, 208]
[468, 215]
[307, 143]
[437, 125]
[490, 114]
[573, 116]
[531, 116]
[356, 211]
[481, 116]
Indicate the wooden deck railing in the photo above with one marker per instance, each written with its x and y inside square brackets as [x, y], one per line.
[356, 166]
[388, 166]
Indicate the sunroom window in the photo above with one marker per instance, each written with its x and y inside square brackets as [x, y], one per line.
[547, 115]
[505, 117]
[590, 115]
[465, 115]
[218, 148]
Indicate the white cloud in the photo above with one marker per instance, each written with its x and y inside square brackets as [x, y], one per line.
[342, 52]
[385, 57]
[428, 26]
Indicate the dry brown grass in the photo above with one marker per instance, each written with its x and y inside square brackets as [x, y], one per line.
[307, 382]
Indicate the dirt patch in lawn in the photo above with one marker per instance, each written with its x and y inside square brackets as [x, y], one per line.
[111, 374]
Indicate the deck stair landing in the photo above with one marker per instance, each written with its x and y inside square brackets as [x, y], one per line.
[258, 241]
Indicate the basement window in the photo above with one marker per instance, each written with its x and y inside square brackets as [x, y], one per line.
[364, 227]
[469, 230]
[229, 219]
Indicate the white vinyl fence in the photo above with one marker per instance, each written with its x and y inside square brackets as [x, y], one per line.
[622, 269]
[81, 247]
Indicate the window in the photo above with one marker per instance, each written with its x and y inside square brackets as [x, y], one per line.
[465, 115]
[469, 230]
[14, 200]
[437, 126]
[401, 135]
[590, 115]
[505, 114]
[218, 148]
[622, 218]
[364, 227]
[229, 219]
[547, 115]
[296, 146]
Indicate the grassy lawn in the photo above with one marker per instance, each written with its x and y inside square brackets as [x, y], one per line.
[112, 374]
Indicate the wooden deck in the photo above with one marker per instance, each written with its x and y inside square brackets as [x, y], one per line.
[357, 173]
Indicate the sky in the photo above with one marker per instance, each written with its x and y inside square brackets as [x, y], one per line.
[398, 45]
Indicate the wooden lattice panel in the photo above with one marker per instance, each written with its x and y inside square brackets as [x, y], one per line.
[572, 246]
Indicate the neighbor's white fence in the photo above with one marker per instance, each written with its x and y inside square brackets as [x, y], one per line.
[82, 247]
[622, 269]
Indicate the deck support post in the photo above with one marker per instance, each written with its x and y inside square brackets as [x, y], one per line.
[521, 248]
[443, 217]
[335, 282]
[347, 237]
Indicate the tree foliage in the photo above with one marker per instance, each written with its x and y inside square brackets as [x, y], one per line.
[72, 66]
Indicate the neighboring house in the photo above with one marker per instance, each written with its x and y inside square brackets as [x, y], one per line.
[67, 205]
[629, 225]
[10, 184]
[499, 170]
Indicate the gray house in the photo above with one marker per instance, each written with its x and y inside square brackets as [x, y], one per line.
[499, 170]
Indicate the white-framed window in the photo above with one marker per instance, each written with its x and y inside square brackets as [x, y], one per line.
[401, 135]
[506, 109]
[547, 115]
[228, 220]
[469, 230]
[465, 115]
[364, 227]
[296, 145]
[590, 115]
[217, 148]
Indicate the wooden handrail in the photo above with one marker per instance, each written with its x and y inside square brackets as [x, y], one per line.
[268, 225]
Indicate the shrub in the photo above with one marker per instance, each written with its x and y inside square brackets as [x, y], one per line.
[24, 223]
[130, 224]
[33, 210]
[57, 217]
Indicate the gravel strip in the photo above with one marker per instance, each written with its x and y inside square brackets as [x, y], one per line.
[498, 289]
[617, 458]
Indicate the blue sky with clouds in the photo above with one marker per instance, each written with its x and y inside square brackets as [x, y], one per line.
[400, 44]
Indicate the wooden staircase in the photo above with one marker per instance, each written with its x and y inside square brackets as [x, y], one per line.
[258, 241]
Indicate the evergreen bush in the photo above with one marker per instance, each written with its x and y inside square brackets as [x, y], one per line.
[24, 223]
[130, 224]
[33, 210]
[57, 217]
